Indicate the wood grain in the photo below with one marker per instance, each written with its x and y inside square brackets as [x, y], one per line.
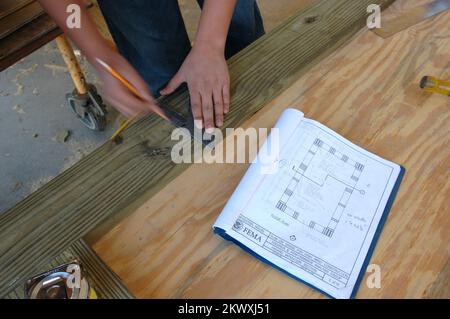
[113, 180]
[403, 19]
[26, 40]
[441, 286]
[8, 7]
[368, 91]
[19, 17]
[36, 33]
[105, 283]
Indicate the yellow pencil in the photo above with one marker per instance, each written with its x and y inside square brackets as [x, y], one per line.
[132, 89]
[123, 127]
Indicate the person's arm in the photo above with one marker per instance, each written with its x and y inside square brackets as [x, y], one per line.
[205, 69]
[94, 46]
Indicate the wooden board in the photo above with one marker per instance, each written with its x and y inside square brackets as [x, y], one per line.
[8, 7]
[403, 19]
[105, 283]
[114, 180]
[26, 40]
[19, 18]
[368, 92]
[441, 286]
[35, 32]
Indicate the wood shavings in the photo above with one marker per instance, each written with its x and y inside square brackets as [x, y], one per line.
[18, 109]
[39, 183]
[79, 150]
[56, 68]
[26, 72]
[22, 73]
[19, 90]
[62, 136]
[17, 186]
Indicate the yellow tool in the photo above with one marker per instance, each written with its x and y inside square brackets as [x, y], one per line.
[116, 136]
[129, 86]
[434, 85]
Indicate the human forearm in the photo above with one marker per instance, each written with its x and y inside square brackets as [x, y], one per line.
[87, 38]
[205, 69]
[94, 46]
[214, 23]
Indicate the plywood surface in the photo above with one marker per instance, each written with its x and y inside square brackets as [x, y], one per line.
[111, 182]
[368, 92]
[409, 15]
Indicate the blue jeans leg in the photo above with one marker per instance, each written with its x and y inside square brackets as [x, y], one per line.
[152, 36]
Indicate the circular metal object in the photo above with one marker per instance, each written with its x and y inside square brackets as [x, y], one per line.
[60, 283]
[89, 108]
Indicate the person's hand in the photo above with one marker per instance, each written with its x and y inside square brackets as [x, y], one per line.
[206, 73]
[117, 94]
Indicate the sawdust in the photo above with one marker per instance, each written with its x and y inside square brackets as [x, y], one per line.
[56, 68]
[19, 90]
[79, 150]
[35, 185]
[62, 137]
[18, 109]
[17, 186]
[22, 73]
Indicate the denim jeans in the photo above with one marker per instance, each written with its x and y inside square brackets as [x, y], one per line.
[152, 36]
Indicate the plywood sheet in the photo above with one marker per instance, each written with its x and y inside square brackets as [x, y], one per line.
[368, 92]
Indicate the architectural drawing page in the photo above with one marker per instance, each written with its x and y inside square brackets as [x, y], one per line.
[317, 215]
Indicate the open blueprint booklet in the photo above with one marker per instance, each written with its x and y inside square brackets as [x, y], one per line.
[318, 217]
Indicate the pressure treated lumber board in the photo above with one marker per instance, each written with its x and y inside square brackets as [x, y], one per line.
[368, 91]
[105, 283]
[114, 180]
